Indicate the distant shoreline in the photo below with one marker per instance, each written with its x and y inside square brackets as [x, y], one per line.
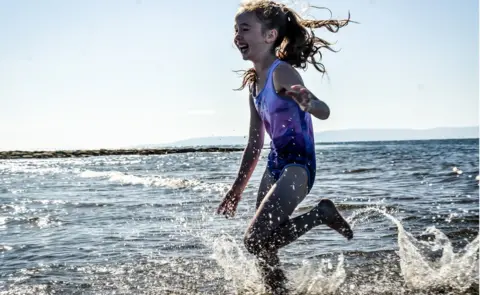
[83, 153]
[9, 155]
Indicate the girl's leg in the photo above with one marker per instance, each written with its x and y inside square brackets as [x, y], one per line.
[269, 263]
[271, 228]
[324, 213]
[280, 206]
[265, 184]
[276, 207]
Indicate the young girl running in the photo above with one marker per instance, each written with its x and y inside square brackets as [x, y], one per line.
[276, 40]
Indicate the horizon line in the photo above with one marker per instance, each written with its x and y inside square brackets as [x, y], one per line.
[344, 129]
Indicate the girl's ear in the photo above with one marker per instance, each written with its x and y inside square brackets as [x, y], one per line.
[271, 36]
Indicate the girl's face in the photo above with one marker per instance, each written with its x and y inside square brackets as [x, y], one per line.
[251, 39]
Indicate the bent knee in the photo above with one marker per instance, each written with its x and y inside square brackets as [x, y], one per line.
[253, 243]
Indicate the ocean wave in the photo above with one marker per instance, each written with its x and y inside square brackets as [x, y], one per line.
[155, 181]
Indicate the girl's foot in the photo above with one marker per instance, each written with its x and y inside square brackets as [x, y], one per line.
[273, 276]
[330, 216]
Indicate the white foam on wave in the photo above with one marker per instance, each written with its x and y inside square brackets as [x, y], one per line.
[3, 220]
[156, 181]
[28, 167]
[4, 248]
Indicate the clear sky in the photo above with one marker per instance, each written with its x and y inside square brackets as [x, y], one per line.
[111, 73]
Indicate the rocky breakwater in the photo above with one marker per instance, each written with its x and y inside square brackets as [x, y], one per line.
[4, 155]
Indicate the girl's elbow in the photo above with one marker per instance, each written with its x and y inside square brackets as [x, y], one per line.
[320, 110]
[326, 114]
[323, 114]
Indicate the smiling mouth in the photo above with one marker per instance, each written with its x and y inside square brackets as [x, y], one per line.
[243, 48]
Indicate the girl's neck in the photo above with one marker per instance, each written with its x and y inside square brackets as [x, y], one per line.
[261, 67]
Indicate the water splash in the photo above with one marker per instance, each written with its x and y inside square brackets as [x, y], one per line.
[315, 279]
[420, 266]
[425, 266]
[239, 268]
[240, 271]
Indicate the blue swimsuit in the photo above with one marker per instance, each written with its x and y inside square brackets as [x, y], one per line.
[290, 130]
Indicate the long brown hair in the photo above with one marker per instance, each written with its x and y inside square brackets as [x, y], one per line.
[295, 44]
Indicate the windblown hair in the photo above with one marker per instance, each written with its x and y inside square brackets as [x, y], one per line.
[295, 44]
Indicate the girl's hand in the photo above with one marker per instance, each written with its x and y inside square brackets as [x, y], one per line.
[302, 96]
[229, 204]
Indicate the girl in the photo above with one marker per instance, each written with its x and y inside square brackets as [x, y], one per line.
[275, 39]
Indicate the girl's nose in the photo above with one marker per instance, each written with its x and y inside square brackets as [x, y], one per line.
[237, 37]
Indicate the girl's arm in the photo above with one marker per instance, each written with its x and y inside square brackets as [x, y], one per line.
[286, 79]
[252, 151]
